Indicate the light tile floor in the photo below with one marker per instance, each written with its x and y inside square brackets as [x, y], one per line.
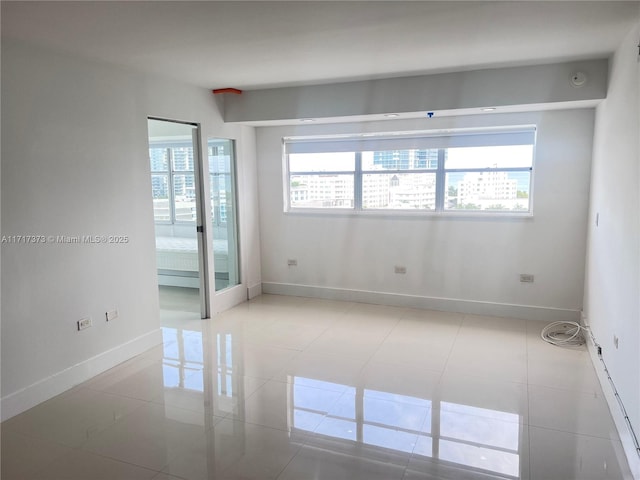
[295, 388]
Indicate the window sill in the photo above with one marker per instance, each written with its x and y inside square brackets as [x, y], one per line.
[403, 214]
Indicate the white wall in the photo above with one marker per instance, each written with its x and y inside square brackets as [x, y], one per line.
[497, 87]
[612, 286]
[471, 263]
[249, 220]
[75, 162]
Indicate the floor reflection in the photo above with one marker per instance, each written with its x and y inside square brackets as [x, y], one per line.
[461, 434]
[478, 439]
[183, 361]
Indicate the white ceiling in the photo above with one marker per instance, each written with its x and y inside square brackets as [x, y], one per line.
[263, 44]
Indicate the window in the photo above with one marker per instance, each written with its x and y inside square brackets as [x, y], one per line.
[222, 176]
[173, 183]
[461, 171]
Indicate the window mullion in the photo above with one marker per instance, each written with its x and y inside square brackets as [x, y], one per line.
[172, 193]
[357, 183]
[440, 181]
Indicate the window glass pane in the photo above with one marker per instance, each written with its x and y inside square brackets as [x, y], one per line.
[159, 158]
[184, 197]
[322, 162]
[160, 191]
[493, 191]
[160, 185]
[400, 159]
[321, 191]
[223, 212]
[406, 191]
[510, 156]
[182, 159]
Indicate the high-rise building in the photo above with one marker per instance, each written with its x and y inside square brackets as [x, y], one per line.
[406, 159]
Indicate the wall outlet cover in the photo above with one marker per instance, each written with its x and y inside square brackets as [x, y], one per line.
[83, 323]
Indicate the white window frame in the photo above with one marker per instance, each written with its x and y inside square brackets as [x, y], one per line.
[433, 139]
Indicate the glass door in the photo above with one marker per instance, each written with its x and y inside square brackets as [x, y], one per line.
[224, 216]
[174, 161]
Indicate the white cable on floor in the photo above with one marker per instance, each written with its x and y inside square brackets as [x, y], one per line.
[563, 334]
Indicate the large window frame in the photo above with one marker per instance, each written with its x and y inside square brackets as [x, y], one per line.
[442, 142]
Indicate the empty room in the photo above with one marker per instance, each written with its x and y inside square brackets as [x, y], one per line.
[323, 240]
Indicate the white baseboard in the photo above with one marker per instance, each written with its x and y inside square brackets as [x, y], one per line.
[28, 397]
[630, 455]
[254, 291]
[228, 298]
[526, 312]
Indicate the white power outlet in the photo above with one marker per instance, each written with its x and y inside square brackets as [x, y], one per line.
[111, 315]
[526, 278]
[400, 269]
[84, 323]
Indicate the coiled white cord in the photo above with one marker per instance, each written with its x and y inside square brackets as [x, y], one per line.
[564, 334]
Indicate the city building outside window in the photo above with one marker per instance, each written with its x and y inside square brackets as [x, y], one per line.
[173, 183]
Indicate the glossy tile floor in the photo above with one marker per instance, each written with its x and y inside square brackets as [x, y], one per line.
[292, 388]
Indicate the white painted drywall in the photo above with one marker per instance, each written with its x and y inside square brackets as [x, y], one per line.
[462, 259]
[612, 286]
[75, 162]
[249, 211]
[498, 87]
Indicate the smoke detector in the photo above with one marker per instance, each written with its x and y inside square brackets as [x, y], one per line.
[578, 79]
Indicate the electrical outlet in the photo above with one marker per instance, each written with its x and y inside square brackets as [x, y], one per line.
[292, 262]
[111, 315]
[526, 278]
[84, 323]
[400, 269]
